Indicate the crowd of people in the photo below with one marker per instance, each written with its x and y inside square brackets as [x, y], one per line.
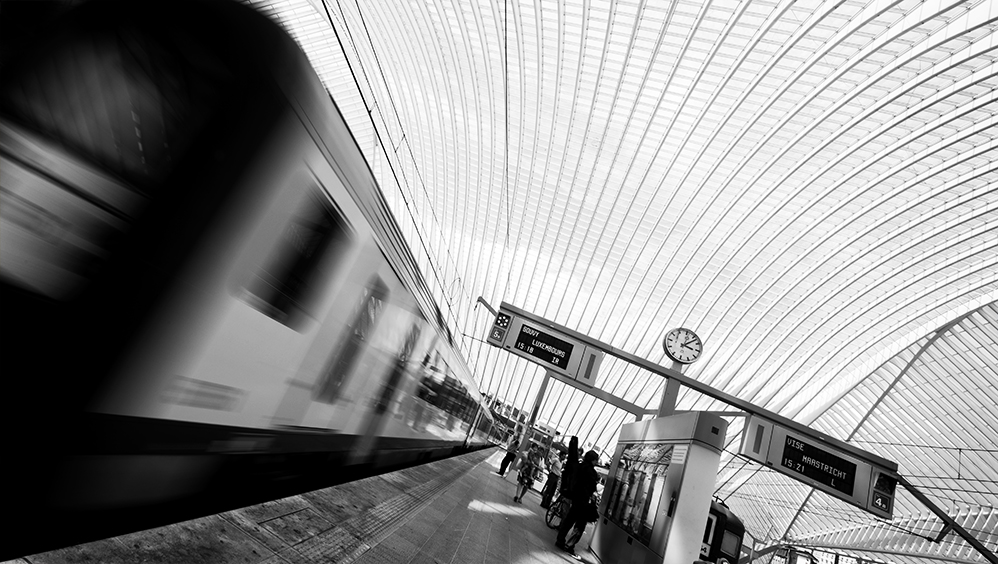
[574, 476]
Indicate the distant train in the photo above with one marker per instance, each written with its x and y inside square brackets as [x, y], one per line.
[723, 536]
[206, 301]
[794, 555]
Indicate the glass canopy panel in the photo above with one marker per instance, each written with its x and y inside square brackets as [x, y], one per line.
[810, 186]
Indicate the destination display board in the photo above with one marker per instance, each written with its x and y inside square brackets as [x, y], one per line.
[547, 348]
[537, 341]
[808, 459]
[819, 465]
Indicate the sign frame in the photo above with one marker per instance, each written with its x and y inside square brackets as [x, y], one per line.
[866, 484]
[539, 342]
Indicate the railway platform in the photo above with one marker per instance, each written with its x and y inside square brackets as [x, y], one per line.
[456, 510]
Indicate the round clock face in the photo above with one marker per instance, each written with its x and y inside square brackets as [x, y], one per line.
[682, 345]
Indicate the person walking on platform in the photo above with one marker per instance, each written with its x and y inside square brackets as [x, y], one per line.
[554, 474]
[584, 482]
[528, 472]
[511, 449]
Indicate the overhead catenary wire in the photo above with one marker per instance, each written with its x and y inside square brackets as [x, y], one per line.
[436, 270]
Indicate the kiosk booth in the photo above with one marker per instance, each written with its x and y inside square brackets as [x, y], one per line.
[659, 489]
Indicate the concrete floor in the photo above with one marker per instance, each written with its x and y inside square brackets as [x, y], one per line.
[456, 511]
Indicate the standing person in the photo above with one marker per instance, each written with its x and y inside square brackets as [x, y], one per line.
[571, 463]
[528, 472]
[584, 482]
[554, 474]
[590, 515]
[511, 449]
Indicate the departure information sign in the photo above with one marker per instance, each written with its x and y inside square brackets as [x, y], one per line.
[556, 349]
[855, 476]
[819, 465]
[543, 346]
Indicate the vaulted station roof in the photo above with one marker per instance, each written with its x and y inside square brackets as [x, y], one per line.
[811, 186]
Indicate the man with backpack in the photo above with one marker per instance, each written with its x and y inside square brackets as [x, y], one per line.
[584, 481]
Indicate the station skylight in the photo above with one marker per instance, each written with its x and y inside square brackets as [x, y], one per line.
[811, 186]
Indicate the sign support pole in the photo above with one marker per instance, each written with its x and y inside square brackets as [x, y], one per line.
[669, 396]
[951, 522]
[532, 418]
[670, 392]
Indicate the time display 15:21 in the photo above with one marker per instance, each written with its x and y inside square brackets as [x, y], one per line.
[819, 465]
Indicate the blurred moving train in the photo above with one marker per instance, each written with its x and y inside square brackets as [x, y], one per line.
[206, 301]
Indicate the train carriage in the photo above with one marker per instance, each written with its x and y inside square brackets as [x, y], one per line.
[723, 536]
[206, 301]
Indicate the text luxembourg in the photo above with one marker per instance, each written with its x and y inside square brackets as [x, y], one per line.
[548, 348]
[541, 344]
[824, 467]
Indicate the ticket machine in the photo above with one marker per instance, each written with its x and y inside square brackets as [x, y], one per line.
[658, 492]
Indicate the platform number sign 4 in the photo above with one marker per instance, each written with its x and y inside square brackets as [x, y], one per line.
[883, 492]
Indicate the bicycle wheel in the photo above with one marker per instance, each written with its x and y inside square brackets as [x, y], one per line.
[557, 512]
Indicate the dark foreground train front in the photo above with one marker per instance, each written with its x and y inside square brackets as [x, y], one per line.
[206, 302]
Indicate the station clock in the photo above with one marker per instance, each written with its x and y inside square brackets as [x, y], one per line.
[682, 345]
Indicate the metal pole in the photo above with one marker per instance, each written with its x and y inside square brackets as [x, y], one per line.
[670, 392]
[532, 417]
[978, 545]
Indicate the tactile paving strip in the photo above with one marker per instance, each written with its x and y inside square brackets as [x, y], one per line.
[337, 524]
[349, 539]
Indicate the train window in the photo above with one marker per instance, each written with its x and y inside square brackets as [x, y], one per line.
[731, 544]
[362, 322]
[291, 281]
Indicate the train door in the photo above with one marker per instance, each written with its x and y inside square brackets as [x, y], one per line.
[361, 325]
[385, 400]
[409, 406]
[400, 367]
[708, 535]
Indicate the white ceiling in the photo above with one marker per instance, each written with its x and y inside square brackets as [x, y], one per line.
[811, 186]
